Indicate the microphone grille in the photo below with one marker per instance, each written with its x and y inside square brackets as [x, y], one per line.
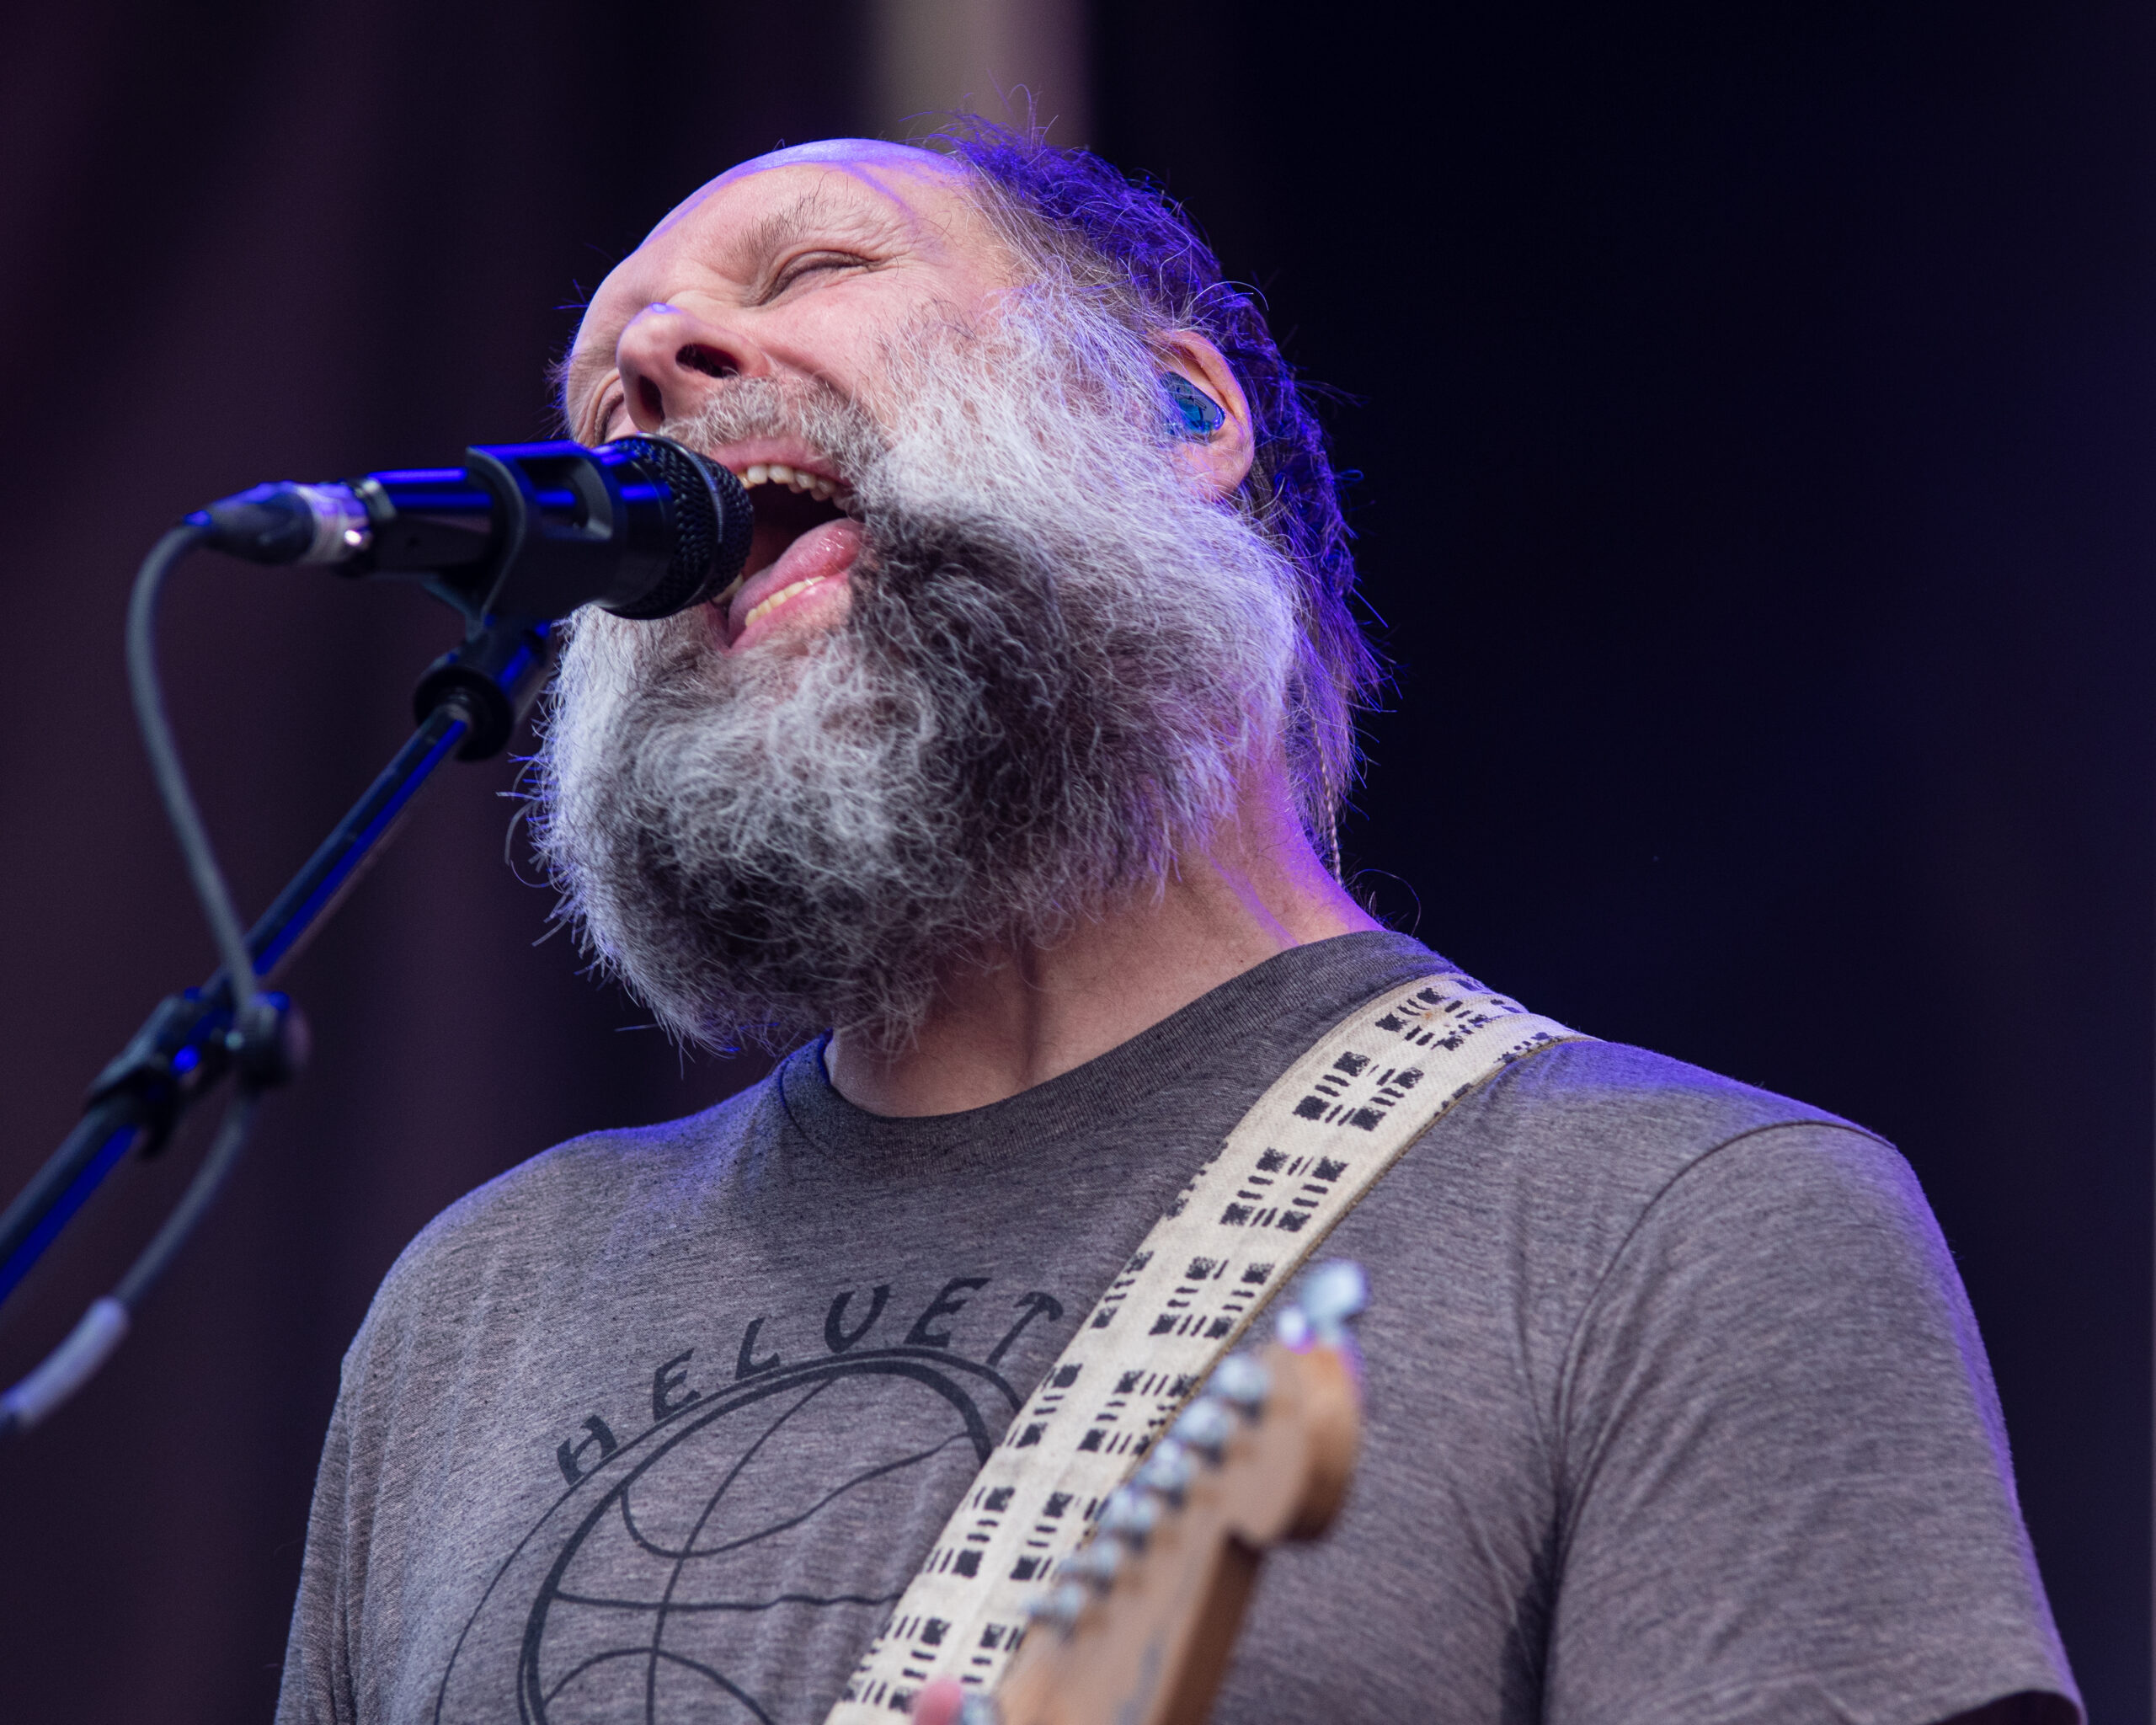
[712, 521]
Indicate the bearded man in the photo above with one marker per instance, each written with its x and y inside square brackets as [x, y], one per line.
[1008, 779]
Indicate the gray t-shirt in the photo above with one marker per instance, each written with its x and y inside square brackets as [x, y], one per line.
[1676, 1409]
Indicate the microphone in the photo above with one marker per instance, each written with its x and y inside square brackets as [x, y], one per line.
[643, 527]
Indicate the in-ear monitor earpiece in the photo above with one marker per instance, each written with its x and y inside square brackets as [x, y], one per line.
[1192, 413]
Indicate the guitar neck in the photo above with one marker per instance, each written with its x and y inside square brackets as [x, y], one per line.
[1140, 1629]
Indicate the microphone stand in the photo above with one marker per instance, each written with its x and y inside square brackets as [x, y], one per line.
[467, 703]
[522, 535]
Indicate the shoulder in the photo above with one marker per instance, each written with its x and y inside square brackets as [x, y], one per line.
[1533, 1189]
[1630, 1103]
[570, 1197]
[1598, 1127]
[579, 1181]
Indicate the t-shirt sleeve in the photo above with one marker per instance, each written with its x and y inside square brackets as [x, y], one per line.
[1784, 1486]
[315, 1687]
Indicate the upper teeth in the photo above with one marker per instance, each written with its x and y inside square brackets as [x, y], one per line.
[778, 474]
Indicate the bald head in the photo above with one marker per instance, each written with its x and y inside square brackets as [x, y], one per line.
[875, 161]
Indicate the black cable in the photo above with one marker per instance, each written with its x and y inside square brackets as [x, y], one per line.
[202, 870]
[105, 1326]
[232, 1127]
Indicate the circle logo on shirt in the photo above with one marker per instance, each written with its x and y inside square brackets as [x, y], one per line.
[694, 1571]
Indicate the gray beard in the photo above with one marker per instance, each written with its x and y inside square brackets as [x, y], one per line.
[1058, 663]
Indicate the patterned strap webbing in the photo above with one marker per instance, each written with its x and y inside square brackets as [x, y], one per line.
[1312, 1145]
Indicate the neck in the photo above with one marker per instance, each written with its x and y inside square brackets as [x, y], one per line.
[1019, 1016]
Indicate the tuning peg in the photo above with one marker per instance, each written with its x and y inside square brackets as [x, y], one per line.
[1061, 1605]
[1131, 1516]
[1205, 1427]
[1331, 1294]
[1242, 1383]
[1095, 1566]
[1168, 1471]
[1335, 1292]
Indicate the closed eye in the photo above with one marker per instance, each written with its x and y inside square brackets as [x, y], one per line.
[800, 269]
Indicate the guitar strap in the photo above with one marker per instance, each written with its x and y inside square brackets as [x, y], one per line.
[1298, 1161]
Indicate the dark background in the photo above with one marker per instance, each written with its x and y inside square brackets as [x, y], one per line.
[1756, 409]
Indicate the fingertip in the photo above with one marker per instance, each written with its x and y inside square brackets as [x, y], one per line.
[938, 1702]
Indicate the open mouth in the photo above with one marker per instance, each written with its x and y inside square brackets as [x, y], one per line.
[804, 540]
[788, 503]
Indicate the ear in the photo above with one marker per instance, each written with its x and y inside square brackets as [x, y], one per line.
[1219, 461]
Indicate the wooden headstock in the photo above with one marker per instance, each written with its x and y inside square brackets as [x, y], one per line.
[1139, 1624]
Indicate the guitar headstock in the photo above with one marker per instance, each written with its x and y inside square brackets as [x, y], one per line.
[1139, 1622]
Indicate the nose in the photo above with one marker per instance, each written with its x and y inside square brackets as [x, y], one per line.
[670, 358]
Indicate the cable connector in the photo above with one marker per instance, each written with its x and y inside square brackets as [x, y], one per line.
[269, 1041]
[287, 523]
[66, 1368]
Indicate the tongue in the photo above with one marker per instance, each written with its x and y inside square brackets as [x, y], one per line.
[827, 550]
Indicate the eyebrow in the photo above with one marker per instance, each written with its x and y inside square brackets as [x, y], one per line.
[809, 214]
